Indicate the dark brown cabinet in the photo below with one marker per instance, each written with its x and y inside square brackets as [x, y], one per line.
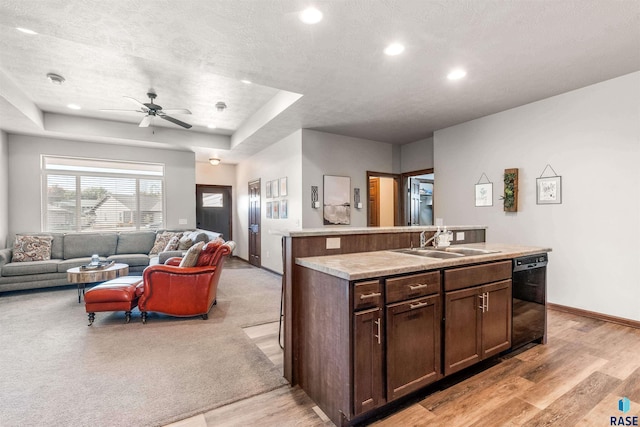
[414, 322]
[368, 389]
[477, 318]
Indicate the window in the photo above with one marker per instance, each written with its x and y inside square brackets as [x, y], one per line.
[98, 195]
[212, 200]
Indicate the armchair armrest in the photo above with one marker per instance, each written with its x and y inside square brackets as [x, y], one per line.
[174, 261]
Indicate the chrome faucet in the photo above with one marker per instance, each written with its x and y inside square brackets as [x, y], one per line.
[424, 241]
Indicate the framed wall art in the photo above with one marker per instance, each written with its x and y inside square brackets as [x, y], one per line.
[337, 200]
[275, 210]
[275, 188]
[283, 187]
[268, 209]
[284, 214]
[549, 188]
[484, 192]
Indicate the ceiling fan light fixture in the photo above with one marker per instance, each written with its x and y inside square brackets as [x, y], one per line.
[221, 106]
[214, 161]
[56, 79]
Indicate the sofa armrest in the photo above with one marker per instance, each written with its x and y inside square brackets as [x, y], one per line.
[164, 256]
[5, 256]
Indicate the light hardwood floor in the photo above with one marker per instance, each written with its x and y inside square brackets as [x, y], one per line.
[576, 379]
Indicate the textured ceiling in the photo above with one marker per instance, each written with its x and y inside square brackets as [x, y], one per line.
[195, 52]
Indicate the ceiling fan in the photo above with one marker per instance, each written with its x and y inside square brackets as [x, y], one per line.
[152, 110]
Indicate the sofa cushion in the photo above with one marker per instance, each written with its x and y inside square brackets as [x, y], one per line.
[161, 241]
[191, 257]
[172, 244]
[79, 245]
[30, 267]
[31, 248]
[185, 242]
[66, 264]
[132, 260]
[135, 242]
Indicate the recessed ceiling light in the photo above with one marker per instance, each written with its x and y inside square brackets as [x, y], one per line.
[456, 74]
[221, 106]
[394, 49]
[214, 161]
[310, 15]
[26, 31]
[245, 81]
[56, 79]
[74, 106]
[212, 126]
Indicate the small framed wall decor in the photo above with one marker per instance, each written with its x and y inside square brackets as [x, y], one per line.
[549, 188]
[268, 209]
[283, 187]
[284, 214]
[275, 210]
[275, 187]
[484, 192]
[268, 189]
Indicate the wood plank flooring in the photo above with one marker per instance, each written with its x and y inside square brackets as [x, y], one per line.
[574, 380]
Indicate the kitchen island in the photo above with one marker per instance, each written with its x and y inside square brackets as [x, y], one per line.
[372, 327]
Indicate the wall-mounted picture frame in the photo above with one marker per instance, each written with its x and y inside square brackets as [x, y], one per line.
[268, 209]
[284, 212]
[275, 187]
[337, 200]
[283, 187]
[275, 210]
[267, 186]
[549, 190]
[484, 194]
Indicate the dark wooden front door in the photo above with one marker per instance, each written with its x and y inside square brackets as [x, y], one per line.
[213, 209]
[254, 223]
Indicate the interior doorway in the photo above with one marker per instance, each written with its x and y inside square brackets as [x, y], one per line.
[254, 223]
[213, 209]
[419, 204]
[384, 204]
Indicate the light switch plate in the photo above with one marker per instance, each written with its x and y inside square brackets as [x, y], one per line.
[459, 236]
[182, 221]
[333, 243]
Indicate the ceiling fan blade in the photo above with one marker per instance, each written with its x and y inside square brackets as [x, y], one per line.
[145, 122]
[138, 103]
[177, 111]
[176, 121]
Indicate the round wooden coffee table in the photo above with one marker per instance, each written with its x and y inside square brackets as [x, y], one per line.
[83, 277]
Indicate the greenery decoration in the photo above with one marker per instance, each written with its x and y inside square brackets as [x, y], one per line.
[510, 197]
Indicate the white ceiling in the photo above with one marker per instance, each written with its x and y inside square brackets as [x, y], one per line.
[195, 53]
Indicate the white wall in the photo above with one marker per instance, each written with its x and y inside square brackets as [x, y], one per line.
[329, 154]
[280, 160]
[4, 188]
[25, 180]
[416, 155]
[591, 137]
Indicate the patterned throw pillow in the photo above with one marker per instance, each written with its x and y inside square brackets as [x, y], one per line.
[206, 255]
[172, 245]
[31, 248]
[162, 240]
[191, 257]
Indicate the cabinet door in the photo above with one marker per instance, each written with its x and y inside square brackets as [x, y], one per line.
[367, 360]
[462, 312]
[496, 318]
[413, 345]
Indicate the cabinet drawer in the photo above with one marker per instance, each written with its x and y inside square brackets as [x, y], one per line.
[414, 286]
[465, 277]
[367, 295]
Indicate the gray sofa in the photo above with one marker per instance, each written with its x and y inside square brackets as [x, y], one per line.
[75, 249]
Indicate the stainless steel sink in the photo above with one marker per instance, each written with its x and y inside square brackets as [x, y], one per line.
[469, 251]
[429, 253]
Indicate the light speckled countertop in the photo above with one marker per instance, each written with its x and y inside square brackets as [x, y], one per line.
[365, 265]
[341, 230]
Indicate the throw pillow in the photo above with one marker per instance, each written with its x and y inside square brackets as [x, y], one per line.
[185, 243]
[191, 257]
[162, 239]
[206, 255]
[31, 248]
[172, 245]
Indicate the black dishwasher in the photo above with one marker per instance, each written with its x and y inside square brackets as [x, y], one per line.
[529, 300]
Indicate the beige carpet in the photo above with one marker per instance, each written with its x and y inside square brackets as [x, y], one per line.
[58, 371]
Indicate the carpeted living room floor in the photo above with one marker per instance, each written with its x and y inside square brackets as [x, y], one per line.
[58, 371]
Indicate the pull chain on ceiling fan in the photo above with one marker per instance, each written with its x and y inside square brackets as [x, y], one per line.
[151, 110]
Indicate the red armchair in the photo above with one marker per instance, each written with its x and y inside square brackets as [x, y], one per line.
[184, 291]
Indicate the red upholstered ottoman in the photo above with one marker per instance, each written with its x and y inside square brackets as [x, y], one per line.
[113, 295]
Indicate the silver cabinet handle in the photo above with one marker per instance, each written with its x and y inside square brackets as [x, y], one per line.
[482, 305]
[418, 305]
[371, 295]
[487, 301]
[378, 322]
[418, 286]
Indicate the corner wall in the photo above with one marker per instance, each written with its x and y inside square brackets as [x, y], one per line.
[591, 137]
[25, 178]
[416, 155]
[280, 160]
[328, 154]
[4, 189]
